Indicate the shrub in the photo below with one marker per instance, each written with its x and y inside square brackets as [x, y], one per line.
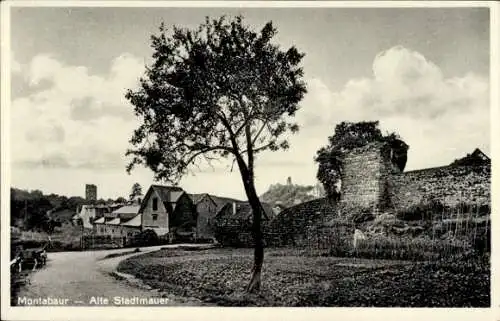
[145, 238]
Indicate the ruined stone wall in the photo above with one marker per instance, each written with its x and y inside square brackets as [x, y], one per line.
[370, 181]
[363, 177]
[449, 184]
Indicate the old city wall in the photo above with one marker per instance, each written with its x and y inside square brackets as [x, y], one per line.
[449, 185]
[364, 171]
[371, 181]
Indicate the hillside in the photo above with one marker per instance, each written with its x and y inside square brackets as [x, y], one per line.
[30, 209]
[290, 194]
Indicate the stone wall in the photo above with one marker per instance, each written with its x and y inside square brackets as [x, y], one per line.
[371, 182]
[364, 178]
[449, 185]
[290, 227]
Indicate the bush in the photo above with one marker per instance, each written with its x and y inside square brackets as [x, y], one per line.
[146, 238]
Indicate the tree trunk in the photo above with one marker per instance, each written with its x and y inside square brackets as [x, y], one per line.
[253, 199]
[254, 285]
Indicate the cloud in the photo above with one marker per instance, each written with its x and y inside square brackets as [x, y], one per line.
[76, 119]
[440, 118]
[79, 120]
[55, 160]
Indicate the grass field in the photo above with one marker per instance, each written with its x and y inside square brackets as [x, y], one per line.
[292, 278]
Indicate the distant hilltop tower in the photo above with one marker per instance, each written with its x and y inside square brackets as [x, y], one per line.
[90, 192]
[289, 181]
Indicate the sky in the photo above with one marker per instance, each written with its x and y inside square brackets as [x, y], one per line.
[422, 72]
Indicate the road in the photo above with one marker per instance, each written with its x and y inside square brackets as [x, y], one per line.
[84, 279]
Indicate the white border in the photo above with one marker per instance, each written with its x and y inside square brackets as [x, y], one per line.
[261, 314]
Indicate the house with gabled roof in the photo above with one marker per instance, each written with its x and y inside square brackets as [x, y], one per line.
[207, 207]
[168, 210]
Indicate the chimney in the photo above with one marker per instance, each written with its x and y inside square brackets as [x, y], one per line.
[234, 208]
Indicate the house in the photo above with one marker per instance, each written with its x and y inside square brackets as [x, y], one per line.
[233, 223]
[88, 213]
[476, 158]
[207, 207]
[168, 210]
[124, 222]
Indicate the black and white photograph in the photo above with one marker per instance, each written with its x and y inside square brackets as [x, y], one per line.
[247, 155]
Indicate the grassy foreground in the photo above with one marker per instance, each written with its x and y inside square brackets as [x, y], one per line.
[291, 278]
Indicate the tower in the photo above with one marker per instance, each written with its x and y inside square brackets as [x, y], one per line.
[90, 192]
[366, 178]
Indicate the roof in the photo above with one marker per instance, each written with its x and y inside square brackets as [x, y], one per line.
[135, 221]
[218, 200]
[127, 212]
[115, 221]
[222, 201]
[99, 221]
[244, 210]
[477, 157]
[479, 154]
[198, 197]
[167, 194]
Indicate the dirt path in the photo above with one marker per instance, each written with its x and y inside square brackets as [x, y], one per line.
[84, 279]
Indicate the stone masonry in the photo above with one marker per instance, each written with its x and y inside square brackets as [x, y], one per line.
[364, 175]
[371, 182]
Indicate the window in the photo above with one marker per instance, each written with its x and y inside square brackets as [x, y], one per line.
[155, 217]
[155, 204]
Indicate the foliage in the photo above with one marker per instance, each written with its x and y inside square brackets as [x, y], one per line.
[33, 210]
[219, 90]
[147, 237]
[349, 136]
[136, 191]
[120, 200]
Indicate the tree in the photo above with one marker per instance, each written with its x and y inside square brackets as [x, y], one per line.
[218, 91]
[120, 200]
[136, 191]
[348, 136]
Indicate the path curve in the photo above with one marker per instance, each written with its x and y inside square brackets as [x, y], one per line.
[84, 279]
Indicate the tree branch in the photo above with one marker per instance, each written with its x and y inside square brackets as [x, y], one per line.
[258, 133]
[258, 149]
[203, 151]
